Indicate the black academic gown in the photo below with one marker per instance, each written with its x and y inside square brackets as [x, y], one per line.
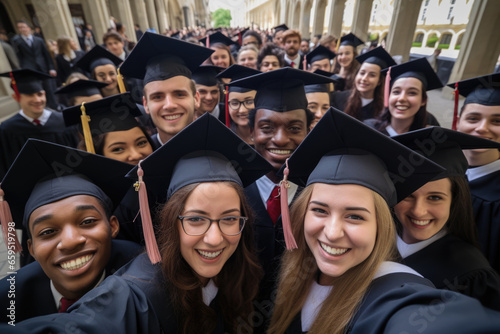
[33, 296]
[339, 101]
[134, 300]
[15, 131]
[405, 303]
[453, 264]
[486, 204]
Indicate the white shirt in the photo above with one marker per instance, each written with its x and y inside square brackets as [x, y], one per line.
[209, 292]
[216, 111]
[122, 56]
[266, 186]
[57, 295]
[296, 61]
[364, 101]
[390, 130]
[28, 39]
[408, 249]
[477, 172]
[43, 119]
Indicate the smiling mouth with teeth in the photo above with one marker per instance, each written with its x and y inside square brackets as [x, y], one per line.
[282, 152]
[420, 222]
[171, 117]
[333, 251]
[209, 255]
[76, 263]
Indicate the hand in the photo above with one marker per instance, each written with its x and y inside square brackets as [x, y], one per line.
[53, 73]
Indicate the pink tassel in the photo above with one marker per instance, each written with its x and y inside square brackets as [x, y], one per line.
[8, 226]
[228, 119]
[147, 224]
[304, 63]
[208, 41]
[387, 88]
[285, 212]
[455, 109]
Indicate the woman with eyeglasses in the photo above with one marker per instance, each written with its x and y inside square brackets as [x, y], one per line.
[203, 274]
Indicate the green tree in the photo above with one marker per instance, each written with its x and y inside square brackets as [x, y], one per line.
[221, 17]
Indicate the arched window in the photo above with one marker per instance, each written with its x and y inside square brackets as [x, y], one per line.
[444, 42]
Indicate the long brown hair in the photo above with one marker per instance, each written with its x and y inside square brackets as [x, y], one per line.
[352, 69]
[299, 269]
[221, 46]
[238, 280]
[353, 106]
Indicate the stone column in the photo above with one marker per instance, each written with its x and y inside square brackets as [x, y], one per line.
[151, 11]
[122, 12]
[336, 15]
[54, 18]
[480, 46]
[319, 17]
[8, 105]
[185, 10]
[305, 19]
[161, 16]
[361, 20]
[402, 28]
[139, 13]
[97, 14]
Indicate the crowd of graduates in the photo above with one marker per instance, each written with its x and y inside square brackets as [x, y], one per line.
[243, 181]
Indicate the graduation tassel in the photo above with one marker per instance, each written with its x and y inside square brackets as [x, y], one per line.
[228, 119]
[14, 85]
[304, 63]
[121, 85]
[455, 109]
[239, 37]
[207, 42]
[147, 224]
[6, 221]
[89, 144]
[338, 44]
[387, 88]
[285, 212]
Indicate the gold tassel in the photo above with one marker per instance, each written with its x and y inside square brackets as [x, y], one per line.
[338, 44]
[89, 144]
[121, 85]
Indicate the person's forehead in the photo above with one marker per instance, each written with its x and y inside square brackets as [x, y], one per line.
[296, 115]
[203, 87]
[318, 97]
[178, 82]
[482, 109]
[270, 58]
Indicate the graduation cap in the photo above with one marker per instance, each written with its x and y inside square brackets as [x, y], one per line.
[319, 53]
[216, 37]
[281, 90]
[81, 88]
[26, 81]
[351, 39]
[419, 69]
[281, 27]
[98, 56]
[237, 72]
[157, 58]
[444, 147]
[113, 113]
[377, 56]
[342, 150]
[195, 155]
[61, 172]
[318, 88]
[206, 75]
[484, 90]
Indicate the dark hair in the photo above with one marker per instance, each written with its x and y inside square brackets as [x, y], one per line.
[112, 35]
[419, 120]
[251, 118]
[353, 105]
[253, 34]
[25, 22]
[237, 281]
[271, 49]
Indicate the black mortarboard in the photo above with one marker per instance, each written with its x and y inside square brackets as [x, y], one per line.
[319, 53]
[61, 172]
[26, 81]
[342, 150]
[281, 90]
[483, 90]
[330, 75]
[113, 113]
[237, 72]
[217, 37]
[351, 39]
[81, 88]
[419, 69]
[377, 56]
[318, 88]
[158, 58]
[281, 27]
[206, 75]
[98, 56]
[241, 32]
[444, 147]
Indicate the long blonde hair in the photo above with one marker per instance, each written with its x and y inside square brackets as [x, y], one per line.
[299, 269]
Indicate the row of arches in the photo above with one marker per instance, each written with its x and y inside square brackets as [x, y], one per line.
[449, 39]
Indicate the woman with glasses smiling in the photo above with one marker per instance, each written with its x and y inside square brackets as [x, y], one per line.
[203, 274]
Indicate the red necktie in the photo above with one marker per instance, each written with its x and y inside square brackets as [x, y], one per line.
[37, 122]
[293, 64]
[273, 204]
[65, 304]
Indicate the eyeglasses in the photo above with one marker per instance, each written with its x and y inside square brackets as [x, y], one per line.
[199, 225]
[235, 104]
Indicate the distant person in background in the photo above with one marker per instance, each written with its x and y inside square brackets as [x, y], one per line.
[138, 31]
[270, 58]
[247, 56]
[11, 53]
[68, 55]
[304, 47]
[115, 44]
[89, 41]
[120, 28]
[291, 44]
[432, 59]
[330, 42]
[252, 37]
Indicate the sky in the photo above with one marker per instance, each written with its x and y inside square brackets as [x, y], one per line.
[235, 6]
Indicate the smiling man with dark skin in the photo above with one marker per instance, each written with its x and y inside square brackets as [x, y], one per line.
[69, 225]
